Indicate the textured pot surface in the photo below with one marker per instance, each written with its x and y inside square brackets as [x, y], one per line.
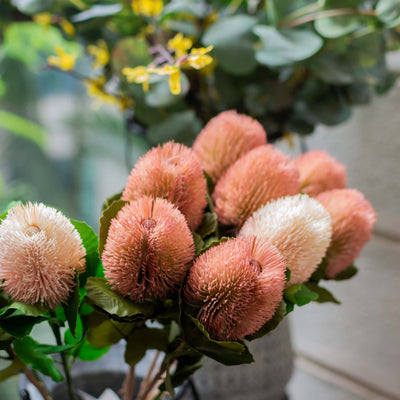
[265, 379]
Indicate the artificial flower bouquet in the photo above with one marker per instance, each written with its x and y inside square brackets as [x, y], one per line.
[205, 248]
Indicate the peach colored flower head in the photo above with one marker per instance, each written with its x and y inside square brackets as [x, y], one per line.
[320, 172]
[40, 253]
[237, 285]
[353, 219]
[261, 175]
[148, 249]
[225, 139]
[299, 227]
[173, 172]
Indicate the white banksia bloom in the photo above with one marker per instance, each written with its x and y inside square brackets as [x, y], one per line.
[299, 227]
[40, 253]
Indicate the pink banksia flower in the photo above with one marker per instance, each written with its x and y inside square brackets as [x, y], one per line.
[237, 286]
[261, 175]
[320, 172]
[299, 227]
[225, 139]
[173, 172]
[353, 219]
[40, 254]
[148, 249]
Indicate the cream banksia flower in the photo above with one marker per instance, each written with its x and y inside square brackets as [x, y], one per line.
[261, 175]
[173, 172]
[237, 285]
[353, 219]
[320, 172]
[40, 253]
[148, 249]
[225, 139]
[299, 227]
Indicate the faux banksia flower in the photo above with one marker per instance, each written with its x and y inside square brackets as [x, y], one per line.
[320, 172]
[148, 249]
[353, 219]
[40, 253]
[225, 139]
[261, 175]
[299, 227]
[173, 172]
[237, 285]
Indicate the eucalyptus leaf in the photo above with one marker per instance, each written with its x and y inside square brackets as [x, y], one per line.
[285, 47]
[102, 296]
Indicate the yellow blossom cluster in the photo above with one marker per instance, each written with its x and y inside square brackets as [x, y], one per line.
[100, 53]
[147, 8]
[198, 58]
[46, 19]
[62, 60]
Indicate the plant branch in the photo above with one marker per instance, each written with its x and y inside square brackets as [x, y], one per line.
[128, 386]
[326, 14]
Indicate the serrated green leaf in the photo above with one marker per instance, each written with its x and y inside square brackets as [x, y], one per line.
[105, 221]
[227, 353]
[324, 295]
[26, 349]
[285, 47]
[102, 296]
[143, 339]
[346, 274]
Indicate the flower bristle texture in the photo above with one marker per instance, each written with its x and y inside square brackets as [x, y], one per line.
[40, 254]
[173, 172]
[148, 250]
[226, 138]
[261, 175]
[236, 286]
[353, 219]
[300, 228]
[320, 172]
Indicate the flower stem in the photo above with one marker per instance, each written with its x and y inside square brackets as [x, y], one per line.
[56, 330]
[128, 386]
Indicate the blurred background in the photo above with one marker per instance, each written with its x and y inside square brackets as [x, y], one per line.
[59, 147]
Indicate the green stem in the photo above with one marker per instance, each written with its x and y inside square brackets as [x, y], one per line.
[57, 334]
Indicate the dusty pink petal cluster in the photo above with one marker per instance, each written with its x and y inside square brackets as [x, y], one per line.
[40, 253]
[353, 219]
[237, 285]
[173, 172]
[261, 175]
[299, 227]
[320, 172]
[148, 250]
[225, 139]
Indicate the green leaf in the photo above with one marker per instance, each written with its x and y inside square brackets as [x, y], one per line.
[15, 368]
[52, 349]
[208, 225]
[339, 25]
[324, 295]
[346, 274]
[71, 308]
[27, 309]
[272, 323]
[227, 353]
[299, 294]
[18, 324]
[187, 366]
[88, 352]
[168, 383]
[183, 127]
[23, 128]
[109, 200]
[26, 349]
[104, 332]
[143, 339]
[212, 242]
[320, 272]
[233, 43]
[285, 47]
[8, 207]
[288, 273]
[388, 11]
[97, 11]
[198, 243]
[197, 9]
[102, 296]
[105, 221]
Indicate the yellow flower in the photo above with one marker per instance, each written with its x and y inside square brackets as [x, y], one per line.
[44, 19]
[174, 77]
[67, 27]
[180, 45]
[138, 75]
[198, 58]
[64, 61]
[95, 88]
[148, 8]
[100, 54]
